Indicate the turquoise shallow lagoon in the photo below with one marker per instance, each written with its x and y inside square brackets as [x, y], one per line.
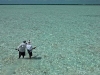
[67, 39]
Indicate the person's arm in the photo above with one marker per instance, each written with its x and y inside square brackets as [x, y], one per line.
[33, 48]
[18, 47]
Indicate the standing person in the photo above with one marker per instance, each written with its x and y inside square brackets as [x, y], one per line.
[29, 48]
[21, 48]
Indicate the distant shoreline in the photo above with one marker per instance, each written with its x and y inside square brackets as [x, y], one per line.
[49, 4]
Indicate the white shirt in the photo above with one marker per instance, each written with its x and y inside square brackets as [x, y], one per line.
[29, 47]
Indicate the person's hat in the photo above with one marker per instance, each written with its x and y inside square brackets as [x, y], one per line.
[24, 41]
[29, 41]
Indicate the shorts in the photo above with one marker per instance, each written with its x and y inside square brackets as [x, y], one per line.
[29, 52]
[22, 53]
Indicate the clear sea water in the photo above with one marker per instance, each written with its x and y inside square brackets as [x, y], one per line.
[67, 38]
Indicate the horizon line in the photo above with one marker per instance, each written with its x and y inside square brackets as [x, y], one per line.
[49, 4]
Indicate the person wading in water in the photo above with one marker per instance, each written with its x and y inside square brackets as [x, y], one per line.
[29, 48]
[21, 48]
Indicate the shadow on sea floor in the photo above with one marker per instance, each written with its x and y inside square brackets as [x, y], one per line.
[35, 57]
[92, 15]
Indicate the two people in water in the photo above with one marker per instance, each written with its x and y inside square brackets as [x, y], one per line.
[22, 48]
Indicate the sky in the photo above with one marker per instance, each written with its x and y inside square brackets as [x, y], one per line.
[49, 1]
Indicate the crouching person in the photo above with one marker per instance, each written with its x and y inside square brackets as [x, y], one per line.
[21, 48]
[29, 48]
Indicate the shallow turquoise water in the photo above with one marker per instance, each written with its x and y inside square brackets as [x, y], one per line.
[67, 39]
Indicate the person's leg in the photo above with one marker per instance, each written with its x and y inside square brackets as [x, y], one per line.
[23, 54]
[30, 54]
[19, 54]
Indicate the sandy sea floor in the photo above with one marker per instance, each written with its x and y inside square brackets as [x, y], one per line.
[67, 38]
